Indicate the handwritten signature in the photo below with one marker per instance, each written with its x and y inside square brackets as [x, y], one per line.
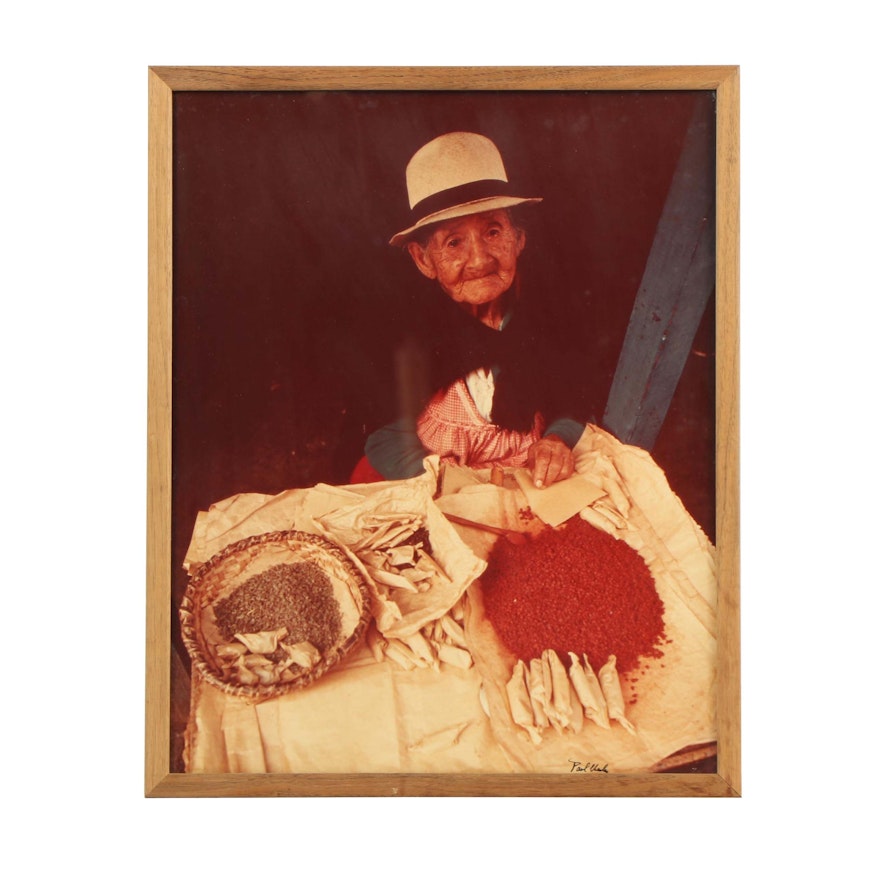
[587, 767]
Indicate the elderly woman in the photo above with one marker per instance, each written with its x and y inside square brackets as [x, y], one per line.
[501, 393]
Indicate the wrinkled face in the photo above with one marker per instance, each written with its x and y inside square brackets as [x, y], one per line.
[473, 258]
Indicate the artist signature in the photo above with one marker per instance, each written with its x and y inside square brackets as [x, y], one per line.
[587, 767]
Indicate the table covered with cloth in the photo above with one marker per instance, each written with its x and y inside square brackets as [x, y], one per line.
[373, 715]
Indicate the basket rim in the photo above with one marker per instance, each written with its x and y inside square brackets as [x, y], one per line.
[188, 613]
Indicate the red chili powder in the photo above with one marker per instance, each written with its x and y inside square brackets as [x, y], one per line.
[578, 589]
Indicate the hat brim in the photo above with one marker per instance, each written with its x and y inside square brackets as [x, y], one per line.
[492, 203]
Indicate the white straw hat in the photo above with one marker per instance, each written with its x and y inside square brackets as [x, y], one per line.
[455, 175]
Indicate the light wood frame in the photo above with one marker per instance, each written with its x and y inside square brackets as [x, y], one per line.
[163, 82]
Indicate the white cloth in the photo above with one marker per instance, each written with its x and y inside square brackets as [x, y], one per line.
[481, 385]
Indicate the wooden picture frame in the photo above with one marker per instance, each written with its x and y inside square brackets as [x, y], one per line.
[161, 778]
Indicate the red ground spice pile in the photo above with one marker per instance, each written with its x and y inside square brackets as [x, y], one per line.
[574, 589]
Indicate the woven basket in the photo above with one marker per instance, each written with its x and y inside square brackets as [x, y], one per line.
[224, 573]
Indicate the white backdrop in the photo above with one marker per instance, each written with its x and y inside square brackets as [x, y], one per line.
[74, 367]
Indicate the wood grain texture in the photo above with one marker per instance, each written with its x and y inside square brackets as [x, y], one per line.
[443, 785]
[727, 432]
[434, 78]
[158, 660]
[159, 781]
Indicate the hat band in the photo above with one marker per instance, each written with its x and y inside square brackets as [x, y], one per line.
[458, 195]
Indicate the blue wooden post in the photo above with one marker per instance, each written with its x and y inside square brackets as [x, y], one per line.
[678, 280]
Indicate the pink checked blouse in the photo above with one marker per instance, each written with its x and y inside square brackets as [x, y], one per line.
[452, 427]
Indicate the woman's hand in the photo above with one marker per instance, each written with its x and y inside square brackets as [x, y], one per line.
[550, 460]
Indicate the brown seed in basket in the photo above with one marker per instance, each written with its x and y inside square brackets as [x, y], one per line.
[297, 596]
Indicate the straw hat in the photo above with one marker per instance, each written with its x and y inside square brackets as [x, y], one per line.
[455, 175]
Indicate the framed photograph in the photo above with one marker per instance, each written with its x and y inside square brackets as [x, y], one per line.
[443, 438]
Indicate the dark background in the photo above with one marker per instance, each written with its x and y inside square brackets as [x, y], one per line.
[290, 306]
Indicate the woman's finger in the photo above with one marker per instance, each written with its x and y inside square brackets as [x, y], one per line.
[567, 464]
[551, 461]
[541, 463]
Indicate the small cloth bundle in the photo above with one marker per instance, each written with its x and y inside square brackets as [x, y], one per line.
[416, 565]
[441, 641]
[544, 695]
